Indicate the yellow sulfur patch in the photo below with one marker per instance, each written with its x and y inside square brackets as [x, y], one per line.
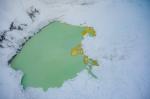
[95, 63]
[90, 31]
[85, 59]
[77, 50]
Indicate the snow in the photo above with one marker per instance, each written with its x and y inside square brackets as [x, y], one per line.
[121, 47]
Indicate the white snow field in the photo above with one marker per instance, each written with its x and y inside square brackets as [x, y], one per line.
[122, 47]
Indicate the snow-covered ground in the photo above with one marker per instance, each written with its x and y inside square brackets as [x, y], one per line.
[121, 46]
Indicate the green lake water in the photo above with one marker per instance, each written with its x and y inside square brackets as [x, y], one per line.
[46, 59]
